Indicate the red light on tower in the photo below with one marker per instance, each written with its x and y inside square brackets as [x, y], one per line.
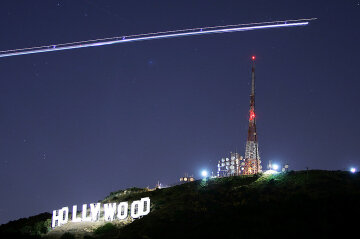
[253, 58]
[252, 115]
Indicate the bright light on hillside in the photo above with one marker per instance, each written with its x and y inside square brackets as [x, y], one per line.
[267, 172]
[275, 166]
[353, 170]
[204, 173]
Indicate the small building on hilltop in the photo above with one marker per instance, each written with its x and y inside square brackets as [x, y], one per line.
[187, 178]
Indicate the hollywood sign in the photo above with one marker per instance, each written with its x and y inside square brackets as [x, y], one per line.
[111, 211]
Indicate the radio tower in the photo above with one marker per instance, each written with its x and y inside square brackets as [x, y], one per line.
[252, 158]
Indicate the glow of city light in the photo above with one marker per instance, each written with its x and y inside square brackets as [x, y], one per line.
[353, 170]
[157, 35]
[275, 166]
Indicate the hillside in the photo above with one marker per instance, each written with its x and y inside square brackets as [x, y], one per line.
[295, 204]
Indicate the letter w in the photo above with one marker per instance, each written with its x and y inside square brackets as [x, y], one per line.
[109, 211]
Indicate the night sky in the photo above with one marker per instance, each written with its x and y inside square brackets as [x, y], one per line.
[76, 125]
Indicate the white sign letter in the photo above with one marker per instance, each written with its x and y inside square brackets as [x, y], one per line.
[84, 218]
[74, 215]
[65, 212]
[136, 208]
[95, 211]
[109, 211]
[56, 218]
[122, 210]
[145, 206]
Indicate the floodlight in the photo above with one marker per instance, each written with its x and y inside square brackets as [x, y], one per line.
[353, 170]
[275, 166]
[204, 173]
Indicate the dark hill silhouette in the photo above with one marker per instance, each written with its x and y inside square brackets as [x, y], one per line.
[307, 204]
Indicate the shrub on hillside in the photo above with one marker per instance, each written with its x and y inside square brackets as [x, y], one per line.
[67, 235]
[108, 227]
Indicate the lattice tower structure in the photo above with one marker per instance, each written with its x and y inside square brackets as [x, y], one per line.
[252, 157]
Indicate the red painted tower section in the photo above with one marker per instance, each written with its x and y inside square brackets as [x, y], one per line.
[252, 158]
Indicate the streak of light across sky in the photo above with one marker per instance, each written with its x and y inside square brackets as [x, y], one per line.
[157, 35]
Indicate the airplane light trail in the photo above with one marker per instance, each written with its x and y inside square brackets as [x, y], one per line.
[157, 35]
